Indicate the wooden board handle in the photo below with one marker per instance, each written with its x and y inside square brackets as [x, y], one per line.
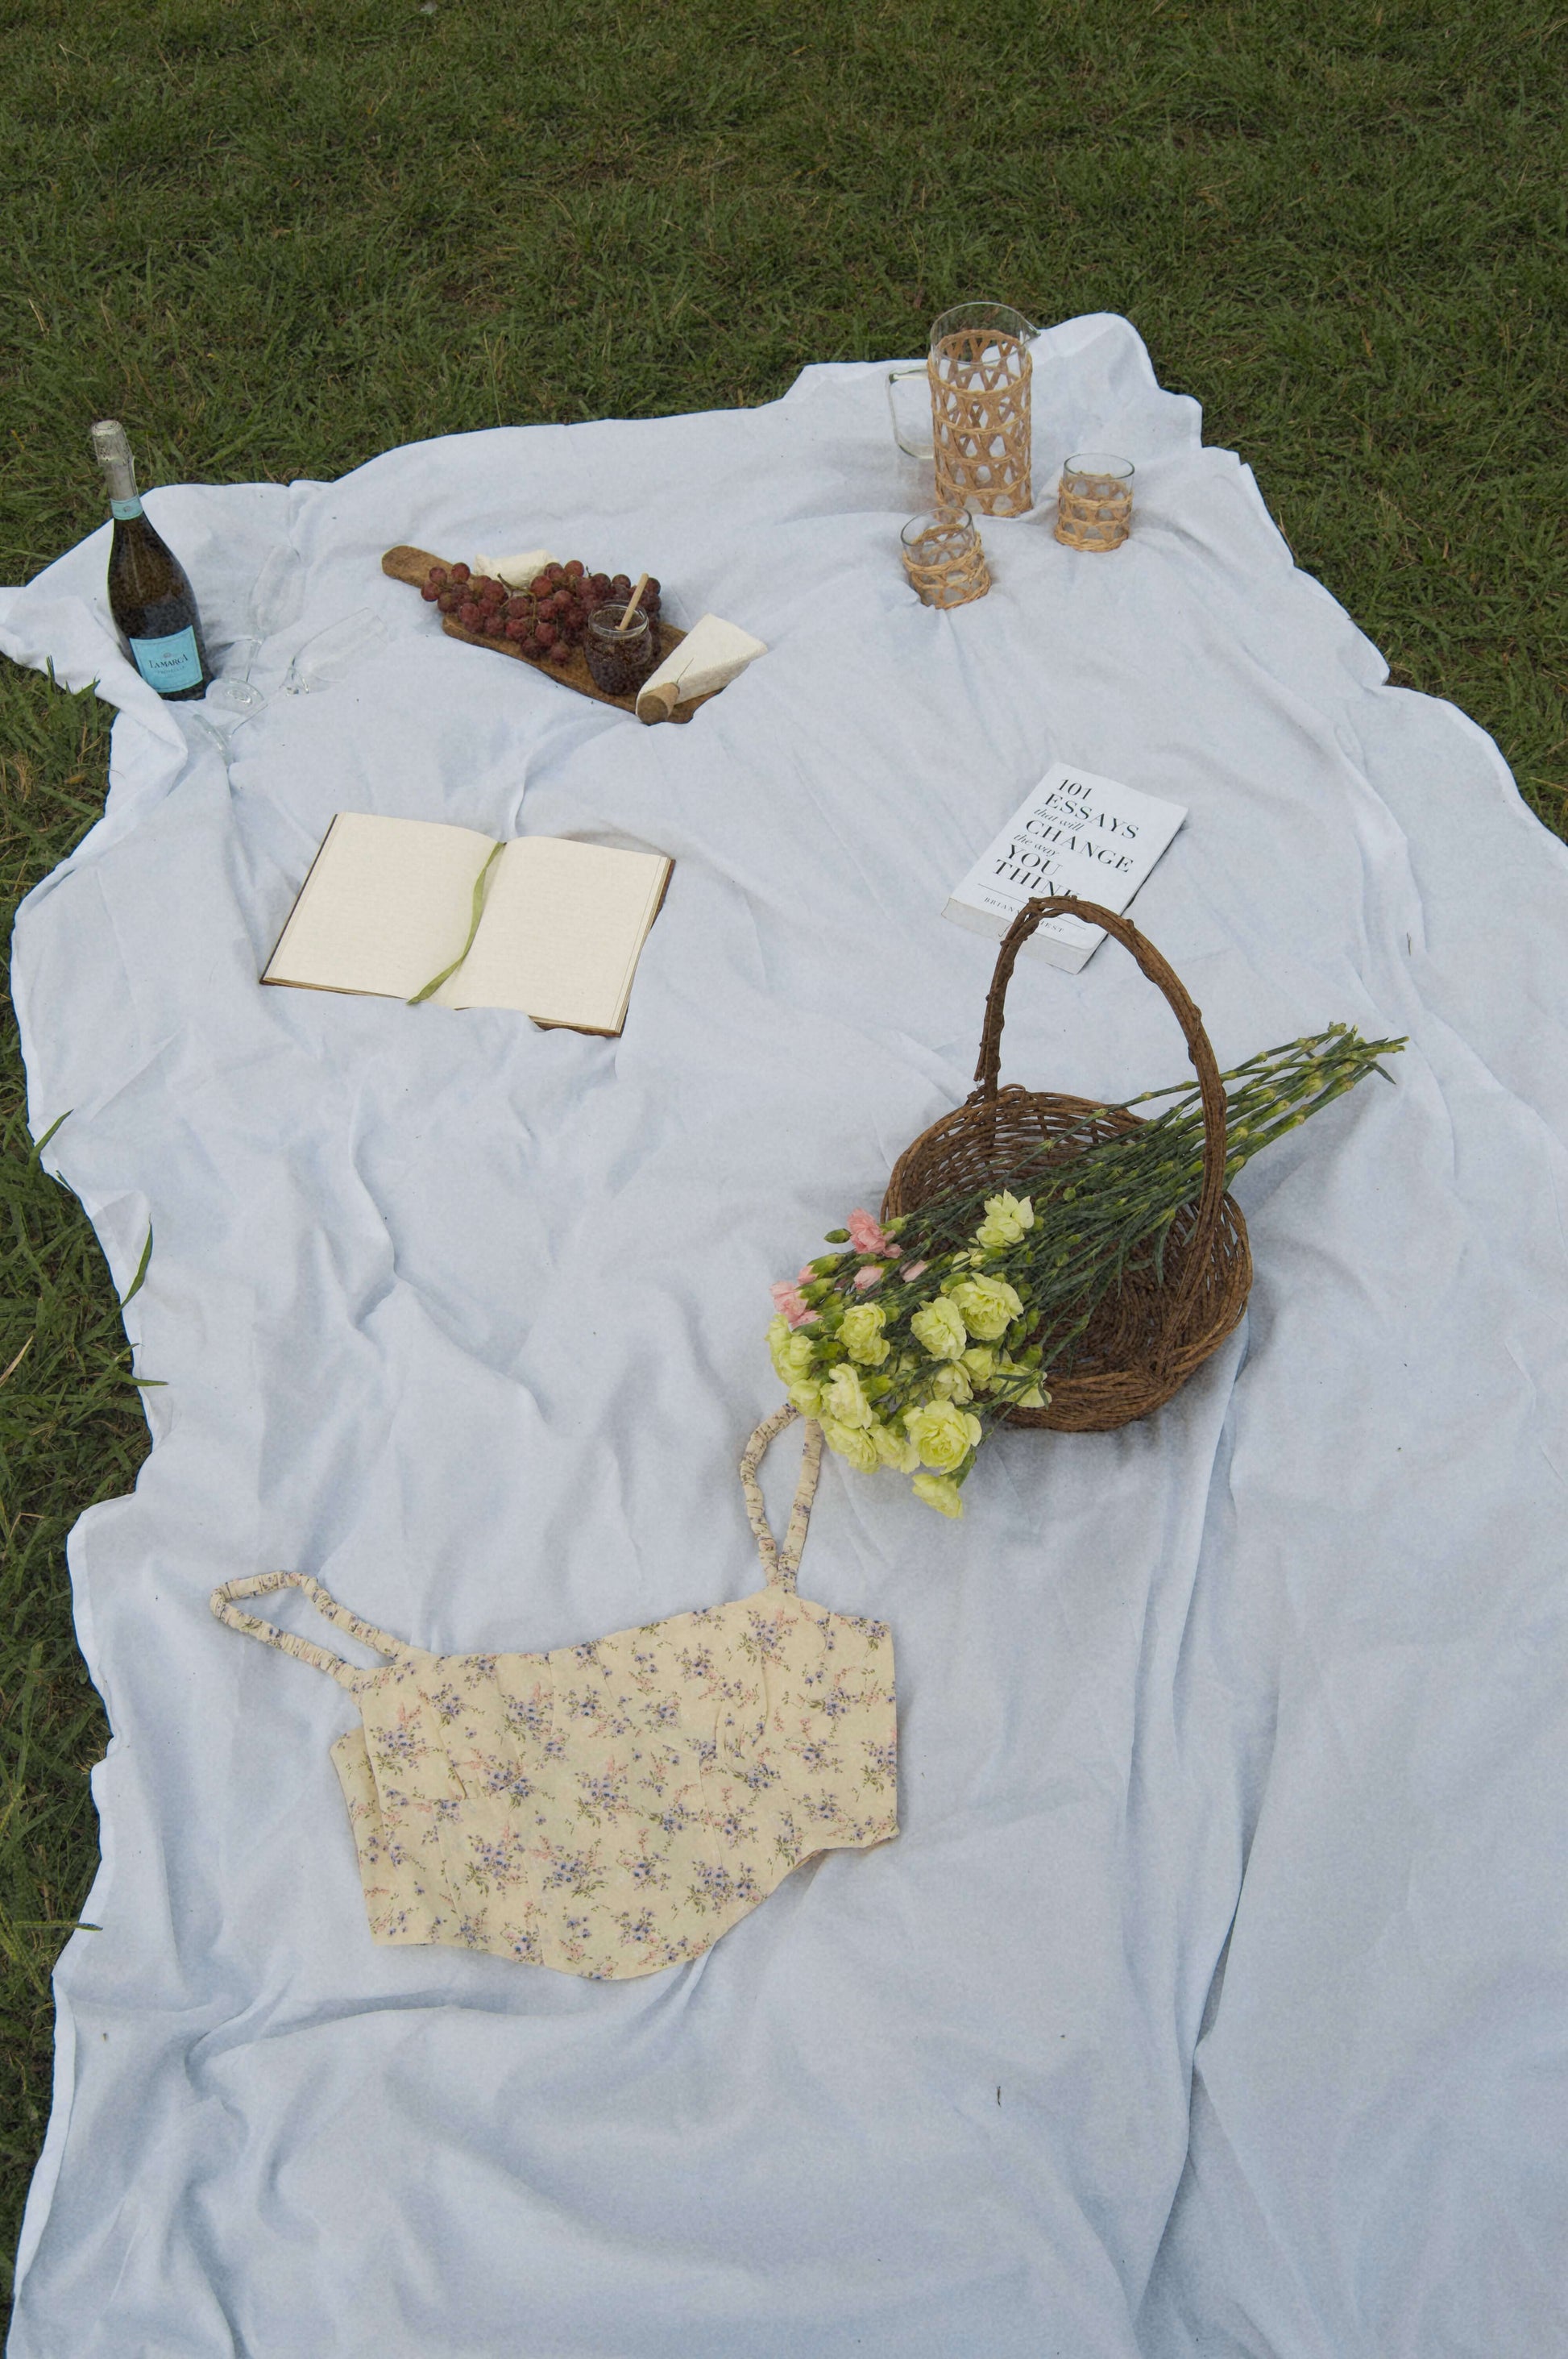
[410, 565]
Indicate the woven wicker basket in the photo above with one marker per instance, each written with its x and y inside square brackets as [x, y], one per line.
[1156, 1329]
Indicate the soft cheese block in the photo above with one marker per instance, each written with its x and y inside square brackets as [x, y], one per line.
[712, 654]
[516, 572]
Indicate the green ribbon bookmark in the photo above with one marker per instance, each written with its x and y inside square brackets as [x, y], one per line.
[437, 980]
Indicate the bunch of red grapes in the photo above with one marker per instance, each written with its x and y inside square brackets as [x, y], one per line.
[544, 621]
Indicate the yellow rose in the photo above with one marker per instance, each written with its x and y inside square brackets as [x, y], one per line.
[806, 1395]
[980, 1362]
[844, 1399]
[988, 1306]
[1007, 1217]
[951, 1382]
[861, 1334]
[895, 1450]
[940, 1492]
[940, 1327]
[942, 1434]
[852, 1443]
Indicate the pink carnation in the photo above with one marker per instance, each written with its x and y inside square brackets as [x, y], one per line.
[787, 1303]
[872, 1273]
[916, 1269]
[867, 1237]
[807, 1275]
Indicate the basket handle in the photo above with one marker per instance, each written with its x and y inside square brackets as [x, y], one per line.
[1211, 1090]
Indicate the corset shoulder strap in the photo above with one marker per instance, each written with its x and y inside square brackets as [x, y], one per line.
[781, 1565]
[320, 1659]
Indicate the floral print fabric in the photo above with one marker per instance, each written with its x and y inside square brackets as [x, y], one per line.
[612, 1808]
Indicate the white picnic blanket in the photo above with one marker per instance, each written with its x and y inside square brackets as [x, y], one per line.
[1212, 1998]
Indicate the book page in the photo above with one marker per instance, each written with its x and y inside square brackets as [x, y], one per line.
[563, 926]
[386, 906]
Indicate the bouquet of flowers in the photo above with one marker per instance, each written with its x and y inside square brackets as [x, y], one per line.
[909, 1341]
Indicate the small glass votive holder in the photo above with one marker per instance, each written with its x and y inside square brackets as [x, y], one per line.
[618, 661]
[1094, 501]
[944, 558]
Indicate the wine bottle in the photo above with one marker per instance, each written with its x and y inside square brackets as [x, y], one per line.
[149, 596]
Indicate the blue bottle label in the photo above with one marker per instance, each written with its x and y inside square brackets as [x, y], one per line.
[123, 510]
[170, 663]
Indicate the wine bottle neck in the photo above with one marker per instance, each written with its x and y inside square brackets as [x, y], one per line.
[112, 452]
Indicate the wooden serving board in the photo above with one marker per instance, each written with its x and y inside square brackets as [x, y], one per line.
[413, 566]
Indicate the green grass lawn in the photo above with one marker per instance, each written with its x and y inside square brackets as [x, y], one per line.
[276, 238]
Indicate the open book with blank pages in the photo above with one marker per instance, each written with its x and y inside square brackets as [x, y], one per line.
[410, 908]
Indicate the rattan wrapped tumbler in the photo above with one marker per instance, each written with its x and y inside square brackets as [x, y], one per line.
[1157, 1329]
[1093, 502]
[944, 560]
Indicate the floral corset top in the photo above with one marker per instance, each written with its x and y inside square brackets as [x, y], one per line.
[611, 1808]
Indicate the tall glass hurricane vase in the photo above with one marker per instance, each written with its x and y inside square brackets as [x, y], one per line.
[979, 369]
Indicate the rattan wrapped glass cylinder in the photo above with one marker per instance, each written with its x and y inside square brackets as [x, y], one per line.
[980, 372]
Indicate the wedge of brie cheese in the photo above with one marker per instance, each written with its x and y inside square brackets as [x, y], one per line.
[711, 654]
[516, 572]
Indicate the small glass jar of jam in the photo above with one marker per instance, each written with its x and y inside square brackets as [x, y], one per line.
[621, 660]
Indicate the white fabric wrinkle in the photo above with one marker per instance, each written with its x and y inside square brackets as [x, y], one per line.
[140, 1057]
[1216, 1498]
[1237, 1628]
[1264, 2319]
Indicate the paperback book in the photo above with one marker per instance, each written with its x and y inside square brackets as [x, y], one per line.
[1090, 837]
